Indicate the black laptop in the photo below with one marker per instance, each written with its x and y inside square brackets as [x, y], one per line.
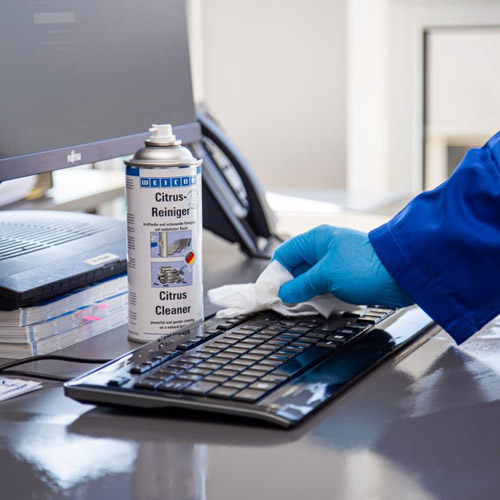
[45, 253]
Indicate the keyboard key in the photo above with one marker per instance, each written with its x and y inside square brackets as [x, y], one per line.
[186, 346]
[338, 338]
[199, 371]
[262, 336]
[259, 352]
[162, 377]
[236, 350]
[299, 329]
[333, 344]
[200, 355]
[323, 329]
[243, 362]
[251, 342]
[278, 342]
[263, 368]
[234, 367]
[167, 372]
[227, 341]
[283, 353]
[245, 347]
[210, 350]
[250, 328]
[235, 335]
[317, 335]
[351, 331]
[287, 338]
[223, 392]
[180, 365]
[218, 345]
[275, 378]
[219, 360]
[272, 330]
[225, 326]
[200, 387]
[244, 378]
[305, 339]
[287, 323]
[252, 373]
[118, 381]
[303, 361]
[175, 385]
[252, 357]
[190, 376]
[216, 378]
[142, 368]
[193, 359]
[211, 330]
[271, 362]
[225, 373]
[293, 351]
[208, 365]
[263, 386]
[235, 384]
[276, 357]
[148, 384]
[370, 320]
[249, 395]
[307, 325]
[299, 343]
[229, 356]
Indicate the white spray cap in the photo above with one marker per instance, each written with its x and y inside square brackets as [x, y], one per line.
[162, 134]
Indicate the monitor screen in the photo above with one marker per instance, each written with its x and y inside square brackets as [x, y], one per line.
[83, 81]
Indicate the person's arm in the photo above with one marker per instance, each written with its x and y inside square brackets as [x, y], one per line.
[441, 251]
[443, 248]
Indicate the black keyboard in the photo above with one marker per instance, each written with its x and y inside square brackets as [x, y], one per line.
[262, 366]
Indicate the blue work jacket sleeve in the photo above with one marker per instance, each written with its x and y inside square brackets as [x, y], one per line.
[443, 248]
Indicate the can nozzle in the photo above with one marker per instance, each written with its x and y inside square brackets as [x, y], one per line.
[162, 134]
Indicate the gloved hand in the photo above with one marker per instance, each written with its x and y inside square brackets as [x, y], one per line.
[340, 261]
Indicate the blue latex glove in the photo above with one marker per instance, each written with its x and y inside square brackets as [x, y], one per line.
[340, 261]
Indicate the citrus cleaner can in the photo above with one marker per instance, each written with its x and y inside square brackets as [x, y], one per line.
[164, 231]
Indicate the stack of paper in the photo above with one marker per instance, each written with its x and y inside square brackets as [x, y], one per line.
[63, 321]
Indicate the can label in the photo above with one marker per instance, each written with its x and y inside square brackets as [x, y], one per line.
[164, 250]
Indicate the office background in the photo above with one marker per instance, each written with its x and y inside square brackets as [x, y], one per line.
[347, 88]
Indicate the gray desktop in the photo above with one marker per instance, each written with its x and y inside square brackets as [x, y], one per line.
[421, 426]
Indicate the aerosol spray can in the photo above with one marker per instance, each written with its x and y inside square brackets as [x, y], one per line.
[164, 237]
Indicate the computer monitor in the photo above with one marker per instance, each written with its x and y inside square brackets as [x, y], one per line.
[82, 82]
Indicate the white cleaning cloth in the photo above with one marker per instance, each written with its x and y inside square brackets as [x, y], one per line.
[263, 294]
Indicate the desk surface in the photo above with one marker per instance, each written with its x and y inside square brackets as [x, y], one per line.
[423, 425]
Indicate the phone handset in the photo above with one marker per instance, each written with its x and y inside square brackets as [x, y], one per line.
[234, 204]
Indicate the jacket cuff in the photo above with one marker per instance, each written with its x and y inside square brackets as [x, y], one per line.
[418, 286]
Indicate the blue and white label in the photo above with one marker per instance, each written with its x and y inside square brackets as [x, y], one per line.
[167, 182]
[164, 250]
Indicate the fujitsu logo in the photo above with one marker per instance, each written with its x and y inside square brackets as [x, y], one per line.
[74, 157]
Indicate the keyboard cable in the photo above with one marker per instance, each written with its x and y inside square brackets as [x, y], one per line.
[57, 378]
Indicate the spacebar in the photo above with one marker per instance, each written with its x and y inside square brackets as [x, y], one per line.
[303, 361]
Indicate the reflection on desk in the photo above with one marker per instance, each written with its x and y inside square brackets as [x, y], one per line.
[409, 430]
[422, 426]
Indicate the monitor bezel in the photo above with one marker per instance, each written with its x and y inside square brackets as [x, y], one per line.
[83, 154]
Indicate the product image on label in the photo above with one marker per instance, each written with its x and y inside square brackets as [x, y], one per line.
[171, 274]
[170, 243]
[192, 199]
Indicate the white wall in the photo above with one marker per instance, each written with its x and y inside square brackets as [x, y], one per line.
[274, 75]
[464, 82]
[397, 163]
[463, 94]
